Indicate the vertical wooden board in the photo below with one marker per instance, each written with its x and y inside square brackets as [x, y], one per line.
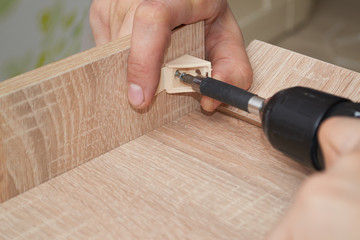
[57, 117]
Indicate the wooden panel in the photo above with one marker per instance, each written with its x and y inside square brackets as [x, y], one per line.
[57, 117]
[199, 177]
[195, 178]
[293, 69]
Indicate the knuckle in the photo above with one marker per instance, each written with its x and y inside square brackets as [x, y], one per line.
[137, 72]
[95, 9]
[97, 13]
[244, 75]
[152, 12]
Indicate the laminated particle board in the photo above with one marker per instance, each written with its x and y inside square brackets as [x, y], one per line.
[198, 177]
[57, 117]
[293, 69]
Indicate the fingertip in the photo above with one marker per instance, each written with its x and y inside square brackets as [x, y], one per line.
[142, 83]
[136, 95]
[151, 35]
[216, 104]
[208, 104]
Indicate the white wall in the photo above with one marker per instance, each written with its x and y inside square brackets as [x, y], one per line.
[266, 19]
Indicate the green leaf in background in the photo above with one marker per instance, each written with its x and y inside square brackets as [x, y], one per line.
[60, 31]
[6, 5]
[69, 19]
[45, 21]
[41, 60]
[50, 18]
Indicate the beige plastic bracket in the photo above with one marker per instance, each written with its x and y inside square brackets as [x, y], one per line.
[186, 63]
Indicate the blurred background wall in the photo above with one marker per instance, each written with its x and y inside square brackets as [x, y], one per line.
[37, 32]
[268, 19]
[328, 30]
[331, 34]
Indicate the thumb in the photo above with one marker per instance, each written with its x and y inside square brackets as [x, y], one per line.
[339, 136]
[150, 38]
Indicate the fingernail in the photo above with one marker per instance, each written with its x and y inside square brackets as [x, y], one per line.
[135, 95]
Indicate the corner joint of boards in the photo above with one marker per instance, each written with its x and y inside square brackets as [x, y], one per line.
[186, 63]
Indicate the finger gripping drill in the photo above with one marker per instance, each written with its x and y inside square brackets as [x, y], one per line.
[290, 118]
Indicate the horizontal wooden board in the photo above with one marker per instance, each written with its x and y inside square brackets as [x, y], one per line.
[200, 177]
[277, 68]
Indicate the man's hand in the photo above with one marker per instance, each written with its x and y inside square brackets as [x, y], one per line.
[151, 22]
[328, 204]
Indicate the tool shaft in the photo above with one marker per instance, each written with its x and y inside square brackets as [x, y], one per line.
[224, 92]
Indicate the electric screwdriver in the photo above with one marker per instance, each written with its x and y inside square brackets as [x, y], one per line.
[290, 118]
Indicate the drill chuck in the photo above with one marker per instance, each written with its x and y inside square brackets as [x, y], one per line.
[291, 119]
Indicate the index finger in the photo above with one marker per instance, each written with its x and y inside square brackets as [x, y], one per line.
[153, 22]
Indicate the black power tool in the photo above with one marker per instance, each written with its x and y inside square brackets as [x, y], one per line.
[290, 119]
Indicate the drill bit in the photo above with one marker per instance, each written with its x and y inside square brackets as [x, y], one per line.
[193, 81]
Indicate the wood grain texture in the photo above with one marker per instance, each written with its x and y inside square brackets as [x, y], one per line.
[198, 177]
[194, 178]
[277, 68]
[57, 117]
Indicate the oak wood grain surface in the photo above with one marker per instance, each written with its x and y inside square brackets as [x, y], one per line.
[198, 177]
[59, 116]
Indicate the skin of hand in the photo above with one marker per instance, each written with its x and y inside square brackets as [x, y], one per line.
[150, 22]
[328, 204]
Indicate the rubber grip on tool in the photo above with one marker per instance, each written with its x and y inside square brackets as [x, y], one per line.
[225, 93]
